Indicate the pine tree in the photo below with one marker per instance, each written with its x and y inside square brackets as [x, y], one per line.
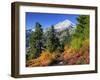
[36, 40]
[52, 40]
[65, 37]
[82, 31]
[83, 27]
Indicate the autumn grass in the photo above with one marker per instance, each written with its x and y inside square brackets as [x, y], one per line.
[70, 56]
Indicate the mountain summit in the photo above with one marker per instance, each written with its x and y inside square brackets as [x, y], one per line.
[66, 24]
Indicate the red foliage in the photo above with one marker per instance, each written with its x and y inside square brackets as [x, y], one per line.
[71, 56]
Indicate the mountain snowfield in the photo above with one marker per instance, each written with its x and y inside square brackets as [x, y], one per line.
[66, 24]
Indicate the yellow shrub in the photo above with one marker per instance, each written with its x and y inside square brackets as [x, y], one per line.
[45, 58]
[86, 44]
[68, 53]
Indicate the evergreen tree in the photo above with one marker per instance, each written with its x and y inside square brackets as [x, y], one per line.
[65, 37]
[52, 40]
[36, 40]
[82, 27]
[82, 31]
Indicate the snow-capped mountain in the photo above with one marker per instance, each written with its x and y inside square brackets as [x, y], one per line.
[61, 27]
[66, 24]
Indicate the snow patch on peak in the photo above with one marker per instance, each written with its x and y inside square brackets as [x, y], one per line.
[64, 25]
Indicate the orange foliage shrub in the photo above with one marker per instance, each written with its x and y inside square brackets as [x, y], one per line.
[45, 58]
[68, 53]
[84, 51]
[81, 56]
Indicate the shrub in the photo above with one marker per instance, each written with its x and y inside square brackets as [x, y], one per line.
[45, 58]
[82, 56]
[69, 53]
[76, 43]
[86, 44]
[29, 56]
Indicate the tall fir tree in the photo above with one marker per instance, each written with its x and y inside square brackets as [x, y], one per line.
[52, 40]
[36, 40]
[83, 27]
[82, 31]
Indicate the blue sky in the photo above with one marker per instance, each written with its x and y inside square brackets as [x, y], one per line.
[47, 19]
